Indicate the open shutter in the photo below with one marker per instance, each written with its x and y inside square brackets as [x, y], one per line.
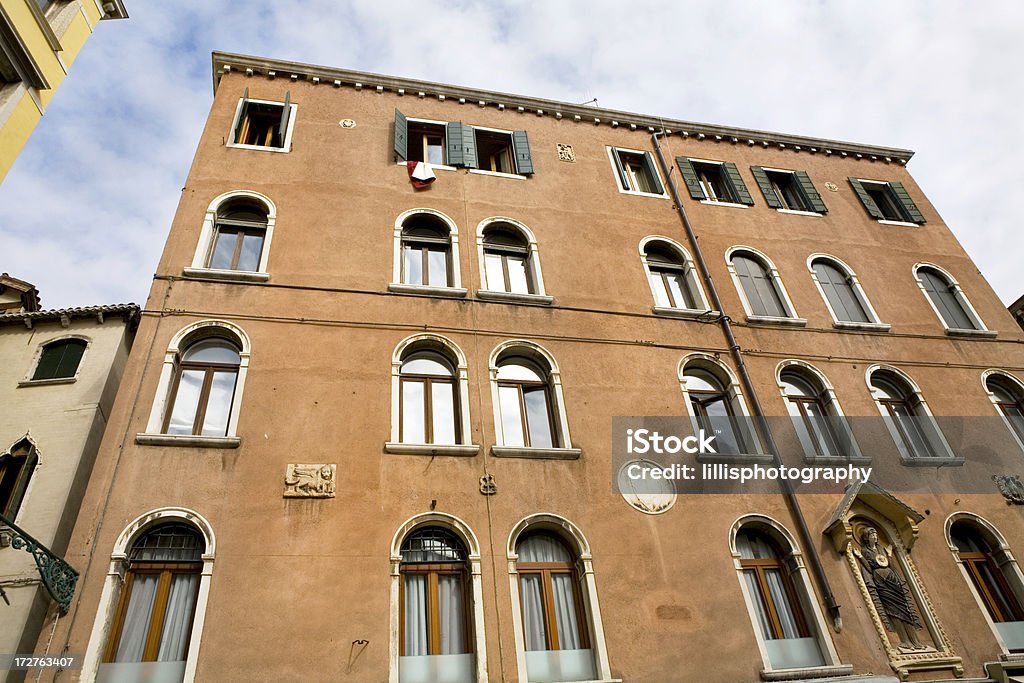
[909, 207]
[401, 136]
[242, 114]
[690, 178]
[521, 147]
[739, 188]
[810, 193]
[766, 187]
[623, 178]
[453, 138]
[285, 115]
[469, 147]
[652, 173]
[866, 199]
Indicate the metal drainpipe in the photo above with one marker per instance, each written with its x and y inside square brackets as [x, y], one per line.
[748, 386]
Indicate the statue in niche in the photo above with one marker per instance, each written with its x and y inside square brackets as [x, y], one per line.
[888, 589]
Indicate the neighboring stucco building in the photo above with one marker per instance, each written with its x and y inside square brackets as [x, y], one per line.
[366, 431]
[59, 372]
[39, 41]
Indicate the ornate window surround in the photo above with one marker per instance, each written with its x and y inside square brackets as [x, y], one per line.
[690, 274]
[540, 297]
[791, 317]
[875, 324]
[456, 291]
[208, 234]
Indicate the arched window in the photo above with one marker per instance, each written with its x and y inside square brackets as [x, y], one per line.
[759, 285]
[671, 276]
[819, 423]
[788, 622]
[842, 292]
[235, 238]
[526, 408]
[435, 619]
[429, 403]
[510, 262]
[907, 417]
[153, 621]
[200, 389]
[16, 468]
[716, 404]
[992, 573]
[1007, 394]
[59, 359]
[426, 252]
[947, 299]
[552, 613]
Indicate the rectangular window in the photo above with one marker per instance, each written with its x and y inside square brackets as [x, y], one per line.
[494, 151]
[635, 171]
[788, 190]
[262, 124]
[886, 201]
[459, 144]
[426, 142]
[712, 182]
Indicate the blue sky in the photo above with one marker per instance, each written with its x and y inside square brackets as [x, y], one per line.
[87, 206]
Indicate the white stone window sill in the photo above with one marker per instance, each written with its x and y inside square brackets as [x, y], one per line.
[736, 458]
[984, 334]
[431, 449]
[686, 313]
[218, 274]
[498, 174]
[832, 460]
[188, 440]
[808, 674]
[731, 205]
[433, 167]
[449, 292]
[259, 148]
[905, 224]
[644, 194]
[775, 320]
[795, 212]
[870, 327]
[536, 453]
[515, 297]
[933, 461]
[46, 382]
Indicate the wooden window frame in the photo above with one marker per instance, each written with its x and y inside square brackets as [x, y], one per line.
[662, 270]
[912, 406]
[504, 253]
[971, 562]
[419, 134]
[240, 229]
[633, 168]
[522, 386]
[890, 207]
[546, 570]
[790, 184]
[202, 403]
[428, 403]
[433, 571]
[760, 569]
[703, 170]
[425, 245]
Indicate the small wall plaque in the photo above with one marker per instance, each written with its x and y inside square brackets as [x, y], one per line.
[309, 481]
[565, 153]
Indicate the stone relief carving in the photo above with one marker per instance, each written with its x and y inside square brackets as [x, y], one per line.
[309, 481]
[565, 152]
[1011, 487]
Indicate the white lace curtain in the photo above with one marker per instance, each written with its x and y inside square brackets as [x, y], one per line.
[450, 617]
[542, 548]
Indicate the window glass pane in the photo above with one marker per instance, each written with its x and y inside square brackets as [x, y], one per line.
[680, 294]
[565, 612]
[757, 597]
[517, 275]
[779, 598]
[138, 614]
[183, 415]
[534, 622]
[435, 149]
[249, 258]
[495, 272]
[415, 615]
[517, 371]
[660, 291]
[212, 351]
[537, 416]
[701, 380]
[437, 261]
[511, 416]
[223, 249]
[1002, 602]
[178, 618]
[443, 408]
[451, 614]
[425, 365]
[413, 273]
[413, 412]
[218, 406]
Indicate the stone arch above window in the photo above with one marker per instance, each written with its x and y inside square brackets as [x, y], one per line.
[509, 262]
[949, 302]
[760, 287]
[908, 418]
[672, 277]
[430, 413]
[200, 389]
[426, 261]
[1007, 395]
[234, 242]
[58, 360]
[843, 294]
[714, 400]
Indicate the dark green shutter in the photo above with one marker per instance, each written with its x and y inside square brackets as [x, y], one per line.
[690, 178]
[810, 193]
[73, 351]
[60, 359]
[46, 368]
[285, 115]
[241, 116]
[866, 199]
[739, 188]
[469, 146]
[909, 207]
[652, 173]
[623, 179]
[461, 143]
[766, 187]
[401, 136]
[521, 147]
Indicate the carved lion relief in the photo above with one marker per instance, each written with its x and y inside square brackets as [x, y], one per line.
[309, 481]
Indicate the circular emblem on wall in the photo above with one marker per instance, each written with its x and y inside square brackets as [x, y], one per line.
[649, 496]
[831, 187]
[347, 123]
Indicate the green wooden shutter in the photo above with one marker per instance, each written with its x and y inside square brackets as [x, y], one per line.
[652, 173]
[690, 178]
[453, 141]
[469, 146]
[73, 351]
[401, 136]
[739, 188]
[810, 193]
[285, 115]
[521, 147]
[623, 178]
[909, 207]
[766, 187]
[49, 360]
[866, 199]
[241, 116]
